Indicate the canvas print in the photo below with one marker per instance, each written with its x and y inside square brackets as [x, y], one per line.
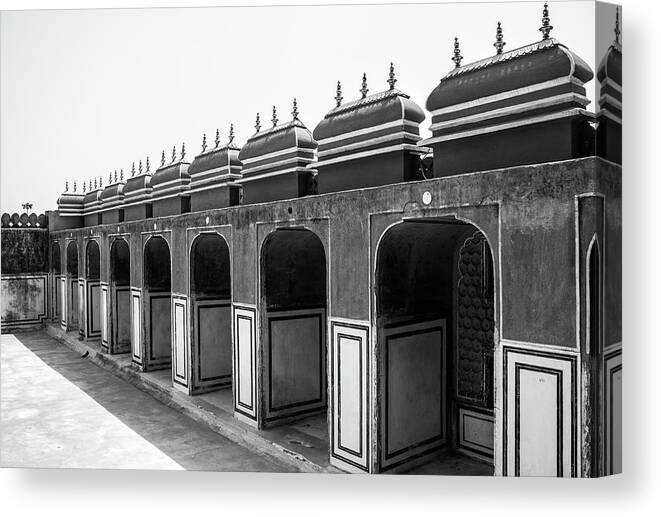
[378, 239]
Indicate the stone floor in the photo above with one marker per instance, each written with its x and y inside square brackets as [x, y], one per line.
[58, 409]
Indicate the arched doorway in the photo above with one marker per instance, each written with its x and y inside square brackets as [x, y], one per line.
[435, 342]
[70, 300]
[92, 290]
[210, 294]
[56, 272]
[157, 310]
[120, 297]
[293, 327]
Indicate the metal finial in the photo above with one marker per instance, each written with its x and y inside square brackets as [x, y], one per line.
[91, 184]
[457, 57]
[274, 118]
[115, 175]
[391, 77]
[499, 44]
[133, 169]
[90, 187]
[258, 125]
[204, 142]
[140, 167]
[74, 186]
[109, 178]
[217, 141]
[546, 23]
[338, 95]
[363, 89]
[95, 184]
[617, 25]
[183, 151]
[231, 140]
[294, 111]
[163, 157]
[121, 174]
[174, 153]
[84, 186]
[66, 186]
[147, 164]
[100, 181]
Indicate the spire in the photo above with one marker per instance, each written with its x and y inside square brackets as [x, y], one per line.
[121, 174]
[338, 95]
[115, 175]
[258, 125]
[391, 77]
[100, 181]
[133, 169]
[294, 111]
[499, 44]
[546, 23]
[204, 142]
[183, 151]
[617, 25]
[363, 90]
[174, 153]
[147, 165]
[110, 178]
[90, 189]
[274, 118]
[66, 186]
[162, 157]
[457, 57]
[217, 141]
[74, 185]
[84, 186]
[95, 184]
[231, 140]
[140, 167]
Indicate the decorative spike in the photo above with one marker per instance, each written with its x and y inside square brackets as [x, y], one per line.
[100, 181]
[546, 27]
[133, 169]
[258, 125]
[391, 77]
[121, 174]
[204, 142]
[147, 165]
[115, 175]
[163, 157]
[499, 44]
[274, 118]
[338, 95]
[95, 184]
[457, 57]
[294, 111]
[139, 166]
[91, 185]
[617, 25]
[174, 153]
[66, 186]
[84, 186]
[217, 140]
[74, 186]
[231, 140]
[183, 151]
[363, 90]
[109, 178]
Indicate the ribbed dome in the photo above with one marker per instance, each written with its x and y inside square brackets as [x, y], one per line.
[611, 65]
[530, 65]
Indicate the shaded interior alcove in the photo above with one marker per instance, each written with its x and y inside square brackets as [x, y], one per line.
[92, 291]
[157, 300]
[71, 291]
[56, 271]
[120, 295]
[435, 323]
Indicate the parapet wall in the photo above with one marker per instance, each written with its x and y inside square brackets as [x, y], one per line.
[25, 266]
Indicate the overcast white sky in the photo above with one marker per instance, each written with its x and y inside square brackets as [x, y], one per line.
[85, 92]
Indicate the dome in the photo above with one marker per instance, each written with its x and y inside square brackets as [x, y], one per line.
[525, 67]
[138, 186]
[171, 178]
[71, 202]
[281, 147]
[113, 194]
[219, 164]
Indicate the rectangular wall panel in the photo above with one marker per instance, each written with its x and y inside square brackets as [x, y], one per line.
[213, 342]
[104, 314]
[350, 387]
[93, 305]
[136, 325]
[82, 324]
[121, 320]
[476, 432]
[613, 408]
[413, 392]
[180, 339]
[540, 413]
[57, 298]
[63, 302]
[74, 308]
[245, 360]
[160, 325]
[295, 363]
[24, 300]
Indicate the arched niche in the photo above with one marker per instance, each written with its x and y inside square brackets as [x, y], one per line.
[157, 304]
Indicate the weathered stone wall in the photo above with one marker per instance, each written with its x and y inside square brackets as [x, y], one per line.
[25, 271]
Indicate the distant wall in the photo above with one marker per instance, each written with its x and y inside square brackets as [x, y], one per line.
[25, 271]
